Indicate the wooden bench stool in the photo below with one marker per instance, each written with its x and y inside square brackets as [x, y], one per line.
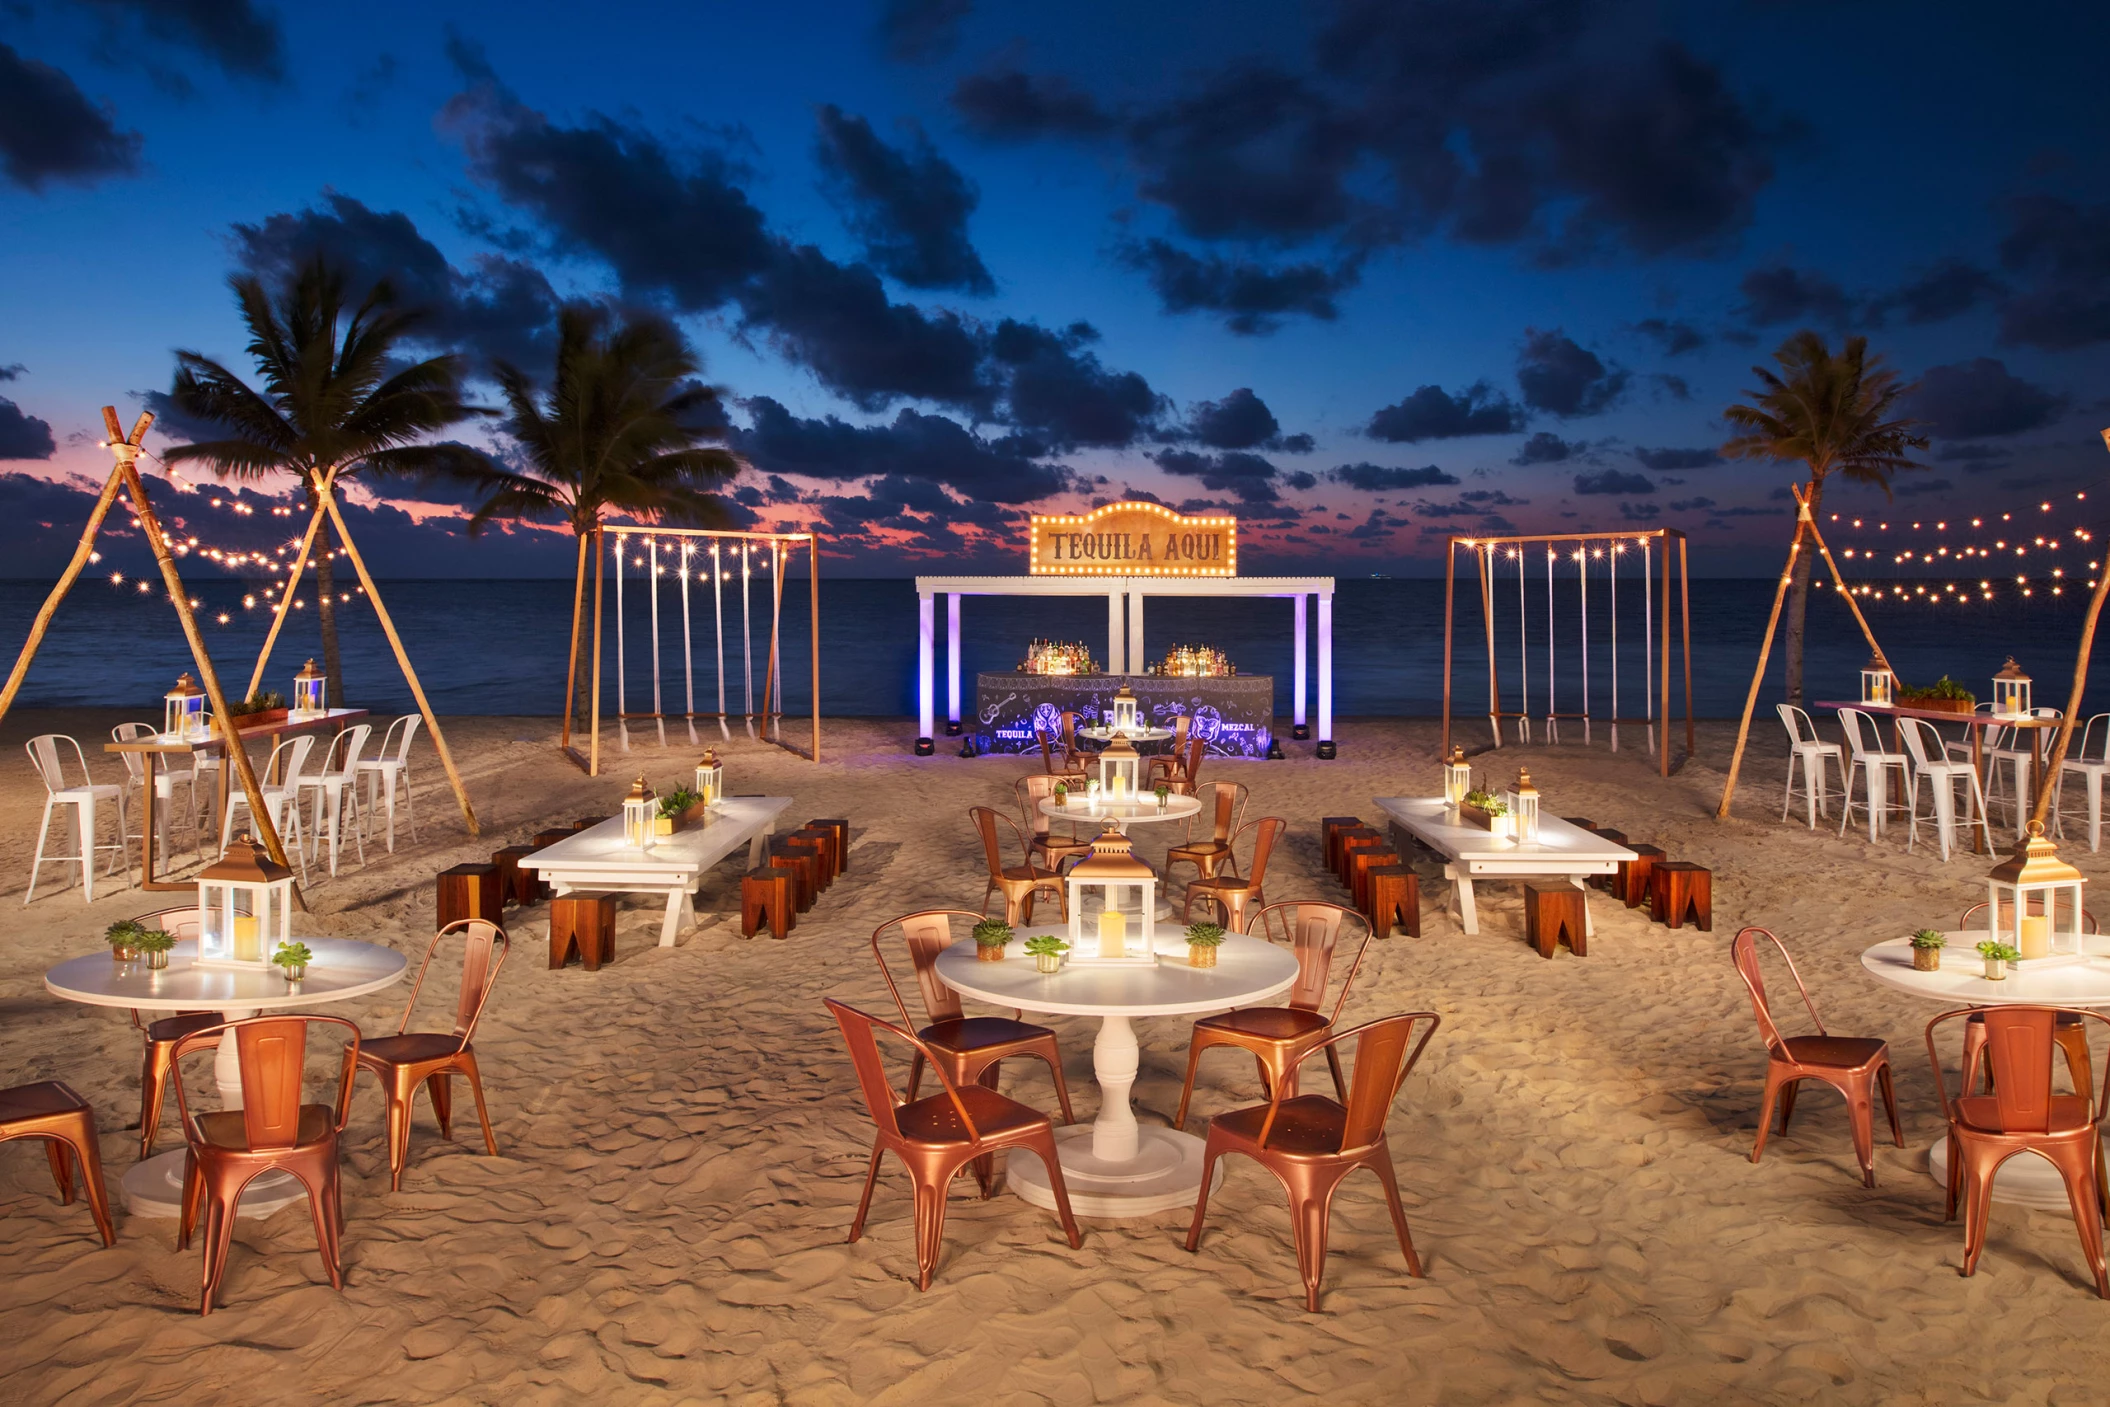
[804, 862]
[822, 843]
[1553, 910]
[544, 839]
[1679, 889]
[1330, 828]
[1608, 883]
[1361, 861]
[584, 821]
[585, 924]
[516, 885]
[767, 894]
[1394, 894]
[841, 828]
[470, 891]
[1581, 822]
[1350, 841]
[1632, 883]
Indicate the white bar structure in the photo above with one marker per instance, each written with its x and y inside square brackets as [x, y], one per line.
[924, 632]
[952, 663]
[1116, 635]
[1136, 657]
[1326, 669]
[1297, 673]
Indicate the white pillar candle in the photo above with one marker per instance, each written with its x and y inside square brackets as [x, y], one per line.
[2035, 936]
[1113, 933]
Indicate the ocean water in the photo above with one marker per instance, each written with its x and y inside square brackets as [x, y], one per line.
[498, 647]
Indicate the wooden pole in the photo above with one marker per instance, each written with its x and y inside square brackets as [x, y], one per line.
[1685, 617]
[813, 610]
[593, 765]
[2057, 761]
[1450, 587]
[285, 599]
[81, 553]
[395, 642]
[1765, 648]
[571, 672]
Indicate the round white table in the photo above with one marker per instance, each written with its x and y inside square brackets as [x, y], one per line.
[2060, 980]
[1123, 814]
[342, 968]
[1134, 735]
[1117, 1167]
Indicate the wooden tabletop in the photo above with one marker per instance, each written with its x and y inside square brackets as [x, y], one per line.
[163, 743]
[1973, 719]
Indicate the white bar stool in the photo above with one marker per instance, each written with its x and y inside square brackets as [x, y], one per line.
[1923, 744]
[2090, 767]
[1809, 753]
[45, 755]
[1874, 767]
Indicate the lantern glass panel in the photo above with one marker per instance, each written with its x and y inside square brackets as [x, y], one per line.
[307, 695]
[1457, 780]
[215, 923]
[1524, 816]
[1878, 686]
[710, 781]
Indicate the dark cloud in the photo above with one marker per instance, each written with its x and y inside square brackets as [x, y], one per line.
[23, 436]
[49, 131]
[1059, 391]
[1676, 387]
[1752, 512]
[1690, 505]
[1973, 457]
[2062, 252]
[1545, 447]
[1564, 379]
[1301, 480]
[1777, 294]
[12, 370]
[1674, 337]
[1253, 297]
[909, 207]
[1242, 420]
[1981, 399]
[1249, 476]
[1948, 289]
[1013, 105]
[1431, 413]
[1492, 498]
[1614, 481]
[1384, 478]
[913, 445]
[1912, 488]
[242, 39]
[1639, 512]
[913, 31]
[1378, 524]
[1674, 459]
[502, 308]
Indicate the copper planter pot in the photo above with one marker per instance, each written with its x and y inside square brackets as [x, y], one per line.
[989, 952]
[1199, 955]
[1926, 959]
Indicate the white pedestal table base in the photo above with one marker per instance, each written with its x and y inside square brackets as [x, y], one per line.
[155, 1188]
[1166, 1173]
[2025, 1180]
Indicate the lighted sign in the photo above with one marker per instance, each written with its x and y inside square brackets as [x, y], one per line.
[1133, 539]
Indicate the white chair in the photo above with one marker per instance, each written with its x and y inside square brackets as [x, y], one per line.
[1923, 744]
[2089, 763]
[281, 800]
[168, 778]
[1961, 747]
[335, 786]
[390, 769]
[1873, 766]
[46, 754]
[1809, 753]
[2020, 752]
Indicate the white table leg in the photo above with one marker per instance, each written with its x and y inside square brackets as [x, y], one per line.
[681, 915]
[84, 814]
[1114, 1063]
[1462, 896]
[758, 848]
[1589, 923]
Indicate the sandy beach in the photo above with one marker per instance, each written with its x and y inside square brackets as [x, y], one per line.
[682, 1144]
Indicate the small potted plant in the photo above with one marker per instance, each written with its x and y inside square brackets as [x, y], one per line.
[123, 938]
[1926, 950]
[1163, 792]
[1997, 955]
[673, 808]
[1047, 951]
[1062, 795]
[990, 936]
[1203, 939]
[293, 960]
[154, 945]
[1482, 809]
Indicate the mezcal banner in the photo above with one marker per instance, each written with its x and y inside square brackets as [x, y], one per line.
[1133, 539]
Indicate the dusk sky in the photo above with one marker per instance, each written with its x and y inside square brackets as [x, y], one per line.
[1365, 274]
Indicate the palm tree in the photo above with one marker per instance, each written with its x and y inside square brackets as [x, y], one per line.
[621, 429]
[344, 404]
[1835, 414]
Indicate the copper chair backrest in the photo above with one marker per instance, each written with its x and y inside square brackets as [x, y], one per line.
[484, 949]
[2036, 906]
[860, 1035]
[1230, 808]
[1191, 765]
[985, 820]
[271, 1051]
[1069, 735]
[1047, 750]
[1266, 831]
[925, 935]
[1032, 789]
[1386, 1052]
[2020, 1042]
[1743, 950]
[1315, 929]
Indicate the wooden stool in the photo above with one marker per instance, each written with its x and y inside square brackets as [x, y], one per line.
[584, 821]
[822, 843]
[470, 891]
[1582, 822]
[1632, 884]
[767, 893]
[1608, 883]
[1394, 893]
[1330, 828]
[1361, 861]
[804, 862]
[1553, 910]
[544, 839]
[1679, 889]
[582, 922]
[516, 885]
[841, 828]
[1347, 843]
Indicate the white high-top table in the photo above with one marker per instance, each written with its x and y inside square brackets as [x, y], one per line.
[1117, 1167]
[342, 968]
[596, 860]
[1138, 811]
[1562, 851]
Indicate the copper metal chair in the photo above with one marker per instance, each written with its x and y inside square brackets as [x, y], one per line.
[408, 1059]
[52, 1113]
[1278, 1036]
[272, 1131]
[1019, 883]
[1052, 850]
[1311, 1143]
[1208, 856]
[1164, 767]
[1233, 895]
[1854, 1065]
[2070, 1031]
[2023, 1115]
[1184, 766]
[1056, 760]
[159, 1037]
[935, 1137]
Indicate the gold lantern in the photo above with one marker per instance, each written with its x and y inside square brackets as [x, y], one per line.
[1879, 686]
[710, 778]
[2034, 873]
[245, 907]
[1124, 713]
[640, 805]
[1120, 769]
[1457, 778]
[1111, 872]
[2011, 691]
[307, 692]
[184, 714]
[1523, 799]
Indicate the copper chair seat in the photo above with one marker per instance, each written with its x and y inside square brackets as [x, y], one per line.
[1306, 1125]
[2069, 1113]
[51, 1113]
[1836, 1052]
[980, 1033]
[38, 1101]
[414, 1048]
[936, 1118]
[224, 1128]
[1270, 1023]
[170, 1029]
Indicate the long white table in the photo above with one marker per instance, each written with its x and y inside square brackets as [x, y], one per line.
[1562, 851]
[597, 861]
